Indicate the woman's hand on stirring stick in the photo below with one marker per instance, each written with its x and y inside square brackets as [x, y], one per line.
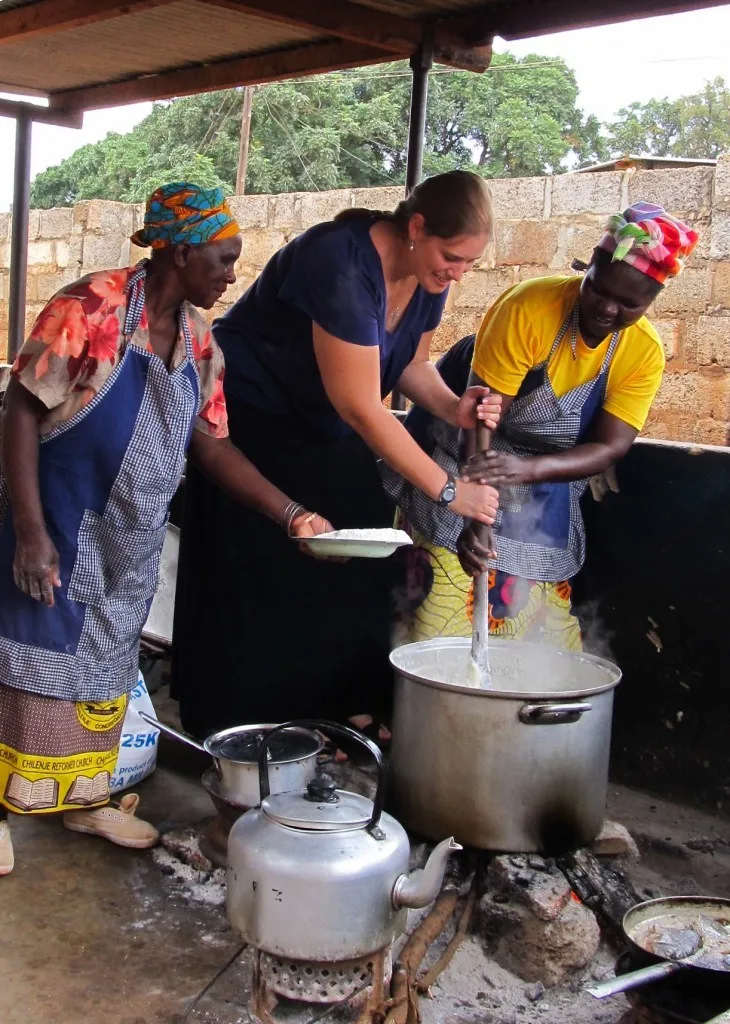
[471, 551]
[475, 544]
[499, 468]
[475, 501]
[478, 403]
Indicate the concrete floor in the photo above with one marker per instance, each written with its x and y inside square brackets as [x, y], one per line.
[94, 934]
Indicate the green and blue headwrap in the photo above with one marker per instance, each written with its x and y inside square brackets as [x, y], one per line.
[182, 212]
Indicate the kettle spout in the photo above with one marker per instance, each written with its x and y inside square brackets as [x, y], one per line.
[422, 887]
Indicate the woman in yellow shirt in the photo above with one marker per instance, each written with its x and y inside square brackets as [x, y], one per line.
[578, 365]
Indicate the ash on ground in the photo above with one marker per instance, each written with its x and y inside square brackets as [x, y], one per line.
[678, 855]
[475, 990]
[178, 856]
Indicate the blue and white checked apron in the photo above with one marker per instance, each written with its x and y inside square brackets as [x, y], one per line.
[539, 530]
[107, 477]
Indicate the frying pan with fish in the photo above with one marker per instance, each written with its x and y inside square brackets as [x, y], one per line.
[677, 935]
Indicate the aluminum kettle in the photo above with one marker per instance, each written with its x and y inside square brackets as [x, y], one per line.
[322, 874]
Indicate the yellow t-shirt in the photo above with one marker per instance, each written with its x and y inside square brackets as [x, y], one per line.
[518, 332]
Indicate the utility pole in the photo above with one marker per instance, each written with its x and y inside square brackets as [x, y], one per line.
[245, 134]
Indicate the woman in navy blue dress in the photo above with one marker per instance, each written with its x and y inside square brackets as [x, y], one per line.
[337, 319]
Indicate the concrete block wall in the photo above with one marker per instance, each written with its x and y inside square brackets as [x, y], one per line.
[63, 245]
[542, 225]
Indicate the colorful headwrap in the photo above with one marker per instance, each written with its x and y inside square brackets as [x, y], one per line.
[181, 212]
[650, 240]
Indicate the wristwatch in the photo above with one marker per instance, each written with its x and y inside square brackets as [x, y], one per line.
[448, 492]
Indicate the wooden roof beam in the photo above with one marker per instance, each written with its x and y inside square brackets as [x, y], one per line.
[315, 59]
[23, 90]
[388, 32]
[49, 16]
[45, 115]
[391, 33]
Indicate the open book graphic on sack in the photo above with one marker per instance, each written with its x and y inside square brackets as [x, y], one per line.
[31, 796]
[89, 791]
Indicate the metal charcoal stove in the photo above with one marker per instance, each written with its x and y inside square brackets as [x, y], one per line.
[319, 885]
[359, 986]
[669, 1001]
[214, 844]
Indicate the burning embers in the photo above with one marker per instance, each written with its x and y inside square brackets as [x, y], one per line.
[540, 929]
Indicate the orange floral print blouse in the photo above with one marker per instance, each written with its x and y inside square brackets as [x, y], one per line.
[78, 340]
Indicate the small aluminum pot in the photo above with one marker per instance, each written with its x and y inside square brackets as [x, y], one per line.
[235, 753]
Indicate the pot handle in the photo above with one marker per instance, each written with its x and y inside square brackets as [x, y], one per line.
[553, 714]
[156, 724]
[634, 979]
[328, 727]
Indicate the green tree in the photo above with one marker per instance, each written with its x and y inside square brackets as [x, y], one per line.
[520, 119]
[696, 126]
[128, 167]
[343, 129]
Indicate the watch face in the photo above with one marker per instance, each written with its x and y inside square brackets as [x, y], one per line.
[449, 492]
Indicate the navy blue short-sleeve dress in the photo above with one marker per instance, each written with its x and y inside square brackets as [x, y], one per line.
[262, 632]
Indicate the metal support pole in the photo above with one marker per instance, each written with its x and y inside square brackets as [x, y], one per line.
[421, 64]
[19, 237]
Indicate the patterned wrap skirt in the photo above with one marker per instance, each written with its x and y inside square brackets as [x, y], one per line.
[56, 755]
[437, 599]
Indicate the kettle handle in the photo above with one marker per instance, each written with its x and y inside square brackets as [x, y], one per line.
[328, 727]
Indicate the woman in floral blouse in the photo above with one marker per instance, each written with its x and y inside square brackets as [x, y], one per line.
[118, 379]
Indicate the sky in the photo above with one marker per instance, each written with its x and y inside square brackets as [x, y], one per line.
[615, 65]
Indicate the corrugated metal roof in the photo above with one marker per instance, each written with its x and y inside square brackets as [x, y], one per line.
[129, 50]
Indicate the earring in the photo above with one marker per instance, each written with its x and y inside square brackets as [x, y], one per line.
[411, 246]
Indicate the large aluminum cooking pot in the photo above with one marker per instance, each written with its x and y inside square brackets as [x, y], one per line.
[522, 766]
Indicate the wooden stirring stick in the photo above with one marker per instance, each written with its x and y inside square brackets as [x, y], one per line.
[479, 665]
